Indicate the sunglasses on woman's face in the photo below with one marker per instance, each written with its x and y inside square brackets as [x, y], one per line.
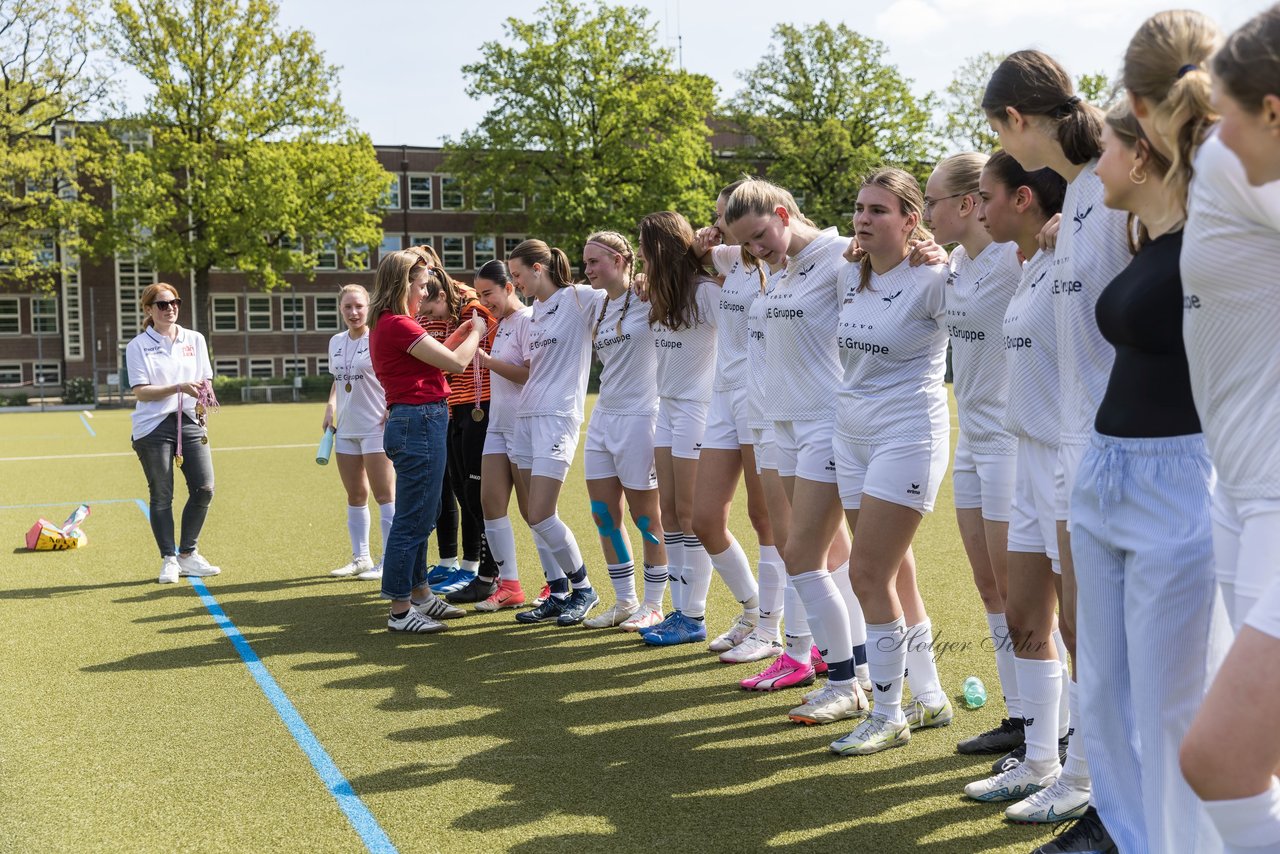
[164, 304]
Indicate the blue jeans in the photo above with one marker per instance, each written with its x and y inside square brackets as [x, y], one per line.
[414, 439]
[1140, 538]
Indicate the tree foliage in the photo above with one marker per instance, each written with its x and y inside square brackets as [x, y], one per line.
[965, 126]
[252, 164]
[47, 79]
[825, 108]
[590, 123]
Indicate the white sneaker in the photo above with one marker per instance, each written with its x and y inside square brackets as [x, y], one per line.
[753, 648]
[736, 634]
[1065, 799]
[438, 609]
[169, 571]
[873, 735]
[615, 616]
[1012, 785]
[643, 618]
[831, 705]
[195, 564]
[372, 574]
[415, 622]
[356, 566]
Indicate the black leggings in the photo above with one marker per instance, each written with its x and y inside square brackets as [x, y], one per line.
[461, 490]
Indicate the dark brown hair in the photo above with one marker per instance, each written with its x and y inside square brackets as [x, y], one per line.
[1249, 63]
[1034, 84]
[553, 260]
[672, 268]
[1047, 187]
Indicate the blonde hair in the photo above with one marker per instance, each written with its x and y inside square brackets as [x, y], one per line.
[1124, 124]
[758, 197]
[960, 172]
[353, 289]
[618, 244]
[391, 284]
[149, 294]
[1165, 66]
[911, 201]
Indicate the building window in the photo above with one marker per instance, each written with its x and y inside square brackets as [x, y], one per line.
[226, 314]
[390, 243]
[44, 316]
[73, 341]
[259, 309]
[453, 253]
[132, 277]
[356, 258]
[295, 366]
[262, 368]
[293, 314]
[322, 365]
[420, 192]
[10, 373]
[291, 244]
[10, 314]
[327, 256]
[46, 373]
[484, 200]
[327, 314]
[47, 254]
[450, 194]
[484, 249]
[226, 367]
[391, 200]
[512, 200]
[423, 240]
[509, 245]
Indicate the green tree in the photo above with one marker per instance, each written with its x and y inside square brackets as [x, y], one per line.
[1097, 89]
[48, 81]
[252, 164]
[825, 108]
[591, 123]
[965, 126]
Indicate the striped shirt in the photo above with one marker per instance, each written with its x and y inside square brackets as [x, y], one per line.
[463, 386]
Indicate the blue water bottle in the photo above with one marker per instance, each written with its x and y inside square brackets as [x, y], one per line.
[326, 447]
[975, 693]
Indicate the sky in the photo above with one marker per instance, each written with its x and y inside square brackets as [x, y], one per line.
[401, 62]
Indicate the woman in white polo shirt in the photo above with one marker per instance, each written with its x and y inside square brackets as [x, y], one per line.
[356, 412]
[167, 367]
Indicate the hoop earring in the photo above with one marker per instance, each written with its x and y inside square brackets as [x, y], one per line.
[1137, 180]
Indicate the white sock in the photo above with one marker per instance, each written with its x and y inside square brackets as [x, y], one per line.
[561, 542]
[550, 567]
[1064, 693]
[887, 660]
[735, 569]
[1076, 767]
[451, 562]
[358, 529]
[798, 639]
[857, 621]
[623, 578]
[1248, 825]
[502, 547]
[922, 671]
[655, 585]
[818, 591]
[773, 587]
[469, 565]
[1041, 685]
[386, 513]
[1005, 667]
[674, 541]
[697, 578]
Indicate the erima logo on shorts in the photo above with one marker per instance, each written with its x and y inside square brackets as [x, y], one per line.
[831, 465]
[557, 447]
[914, 490]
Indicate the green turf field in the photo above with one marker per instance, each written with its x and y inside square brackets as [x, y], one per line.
[130, 722]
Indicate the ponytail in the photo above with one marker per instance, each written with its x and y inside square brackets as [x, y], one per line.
[149, 295]
[552, 259]
[1034, 84]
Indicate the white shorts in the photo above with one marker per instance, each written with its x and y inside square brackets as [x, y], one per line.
[621, 446]
[804, 450]
[906, 473]
[358, 445]
[681, 426]
[1064, 479]
[498, 442]
[1033, 525]
[1246, 550]
[983, 481]
[545, 444]
[727, 421]
[766, 448]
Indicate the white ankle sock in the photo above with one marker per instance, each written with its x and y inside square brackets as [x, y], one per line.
[358, 529]
[502, 547]
[887, 660]
[1248, 825]
[999, 629]
[922, 671]
[1041, 685]
[1076, 767]
[697, 578]
[773, 587]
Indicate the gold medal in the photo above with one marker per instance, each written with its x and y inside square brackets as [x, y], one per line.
[204, 440]
[348, 386]
[477, 414]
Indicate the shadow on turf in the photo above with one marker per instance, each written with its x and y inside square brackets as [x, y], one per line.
[578, 729]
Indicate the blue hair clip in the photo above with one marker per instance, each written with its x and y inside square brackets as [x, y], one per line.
[1184, 70]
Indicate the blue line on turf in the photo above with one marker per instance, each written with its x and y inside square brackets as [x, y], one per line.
[85, 422]
[362, 820]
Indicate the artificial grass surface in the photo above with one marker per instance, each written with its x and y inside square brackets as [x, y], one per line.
[132, 725]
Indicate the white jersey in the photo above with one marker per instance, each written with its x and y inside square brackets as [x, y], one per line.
[1031, 352]
[558, 350]
[740, 289]
[687, 358]
[757, 355]
[510, 345]
[360, 410]
[978, 292]
[893, 347]
[1230, 252]
[1093, 247]
[152, 359]
[800, 319]
[624, 343]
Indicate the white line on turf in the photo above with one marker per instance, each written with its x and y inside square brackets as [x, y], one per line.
[131, 454]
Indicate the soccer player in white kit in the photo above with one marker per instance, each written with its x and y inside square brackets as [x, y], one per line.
[890, 444]
[619, 451]
[984, 275]
[802, 367]
[683, 317]
[508, 371]
[356, 411]
[1230, 250]
[549, 417]
[1031, 103]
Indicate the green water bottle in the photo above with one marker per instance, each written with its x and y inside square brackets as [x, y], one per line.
[975, 693]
